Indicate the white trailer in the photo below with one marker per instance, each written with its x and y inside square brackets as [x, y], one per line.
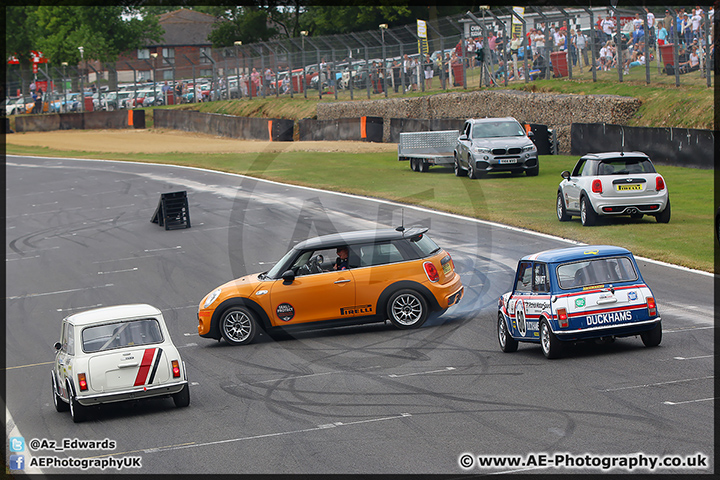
[424, 149]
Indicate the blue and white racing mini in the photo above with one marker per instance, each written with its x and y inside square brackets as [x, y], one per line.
[578, 293]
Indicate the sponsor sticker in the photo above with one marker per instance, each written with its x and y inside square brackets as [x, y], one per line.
[520, 317]
[285, 312]
[580, 302]
[632, 296]
[356, 310]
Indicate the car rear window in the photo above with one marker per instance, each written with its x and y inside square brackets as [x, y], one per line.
[596, 272]
[118, 335]
[426, 245]
[625, 166]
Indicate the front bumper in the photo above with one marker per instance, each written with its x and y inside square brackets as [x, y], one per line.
[505, 163]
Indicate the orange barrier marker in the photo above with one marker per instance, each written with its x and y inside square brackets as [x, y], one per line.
[270, 129]
[363, 129]
[130, 118]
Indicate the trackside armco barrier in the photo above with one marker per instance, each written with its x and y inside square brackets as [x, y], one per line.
[365, 129]
[118, 119]
[680, 147]
[245, 128]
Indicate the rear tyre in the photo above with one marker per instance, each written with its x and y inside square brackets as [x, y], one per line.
[78, 412]
[551, 346]
[561, 212]
[587, 214]
[407, 309]
[238, 326]
[507, 343]
[182, 398]
[652, 338]
[423, 166]
[664, 216]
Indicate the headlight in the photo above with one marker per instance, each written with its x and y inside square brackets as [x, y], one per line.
[212, 296]
[528, 148]
[481, 150]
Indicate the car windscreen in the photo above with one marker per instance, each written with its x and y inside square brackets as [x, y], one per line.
[625, 166]
[109, 336]
[275, 272]
[596, 272]
[497, 129]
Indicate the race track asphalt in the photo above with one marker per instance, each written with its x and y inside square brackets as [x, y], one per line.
[368, 399]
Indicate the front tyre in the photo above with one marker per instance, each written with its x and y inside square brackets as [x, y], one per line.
[533, 172]
[238, 326]
[587, 214]
[407, 309]
[550, 344]
[561, 212]
[653, 337]
[507, 343]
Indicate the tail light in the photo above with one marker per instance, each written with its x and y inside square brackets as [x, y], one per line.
[176, 369]
[652, 308]
[451, 262]
[597, 186]
[562, 317]
[431, 272]
[82, 382]
[659, 183]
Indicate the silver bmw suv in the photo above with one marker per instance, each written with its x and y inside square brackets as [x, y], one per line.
[495, 145]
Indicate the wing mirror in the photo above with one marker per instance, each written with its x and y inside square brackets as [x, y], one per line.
[288, 276]
[58, 345]
[463, 137]
[565, 174]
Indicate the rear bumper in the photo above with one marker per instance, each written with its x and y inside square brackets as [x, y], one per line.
[607, 331]
[138, 393]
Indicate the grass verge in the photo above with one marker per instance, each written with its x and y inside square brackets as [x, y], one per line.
[527, 202]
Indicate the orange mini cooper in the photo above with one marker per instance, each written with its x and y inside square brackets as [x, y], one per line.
[336, 280]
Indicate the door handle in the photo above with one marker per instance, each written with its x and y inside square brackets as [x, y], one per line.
[606, 300]
[130, 364]
[341, 281]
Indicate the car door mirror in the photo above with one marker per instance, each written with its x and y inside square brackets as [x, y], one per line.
[288, 276]
[530, 135]
[565, 174]
[58, 345]
[463, 137]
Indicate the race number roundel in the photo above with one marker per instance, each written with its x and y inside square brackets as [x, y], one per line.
[520, 317]
[285, 312]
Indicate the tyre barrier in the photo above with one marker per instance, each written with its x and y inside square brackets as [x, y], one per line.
[244, 128]
[365, 129]
[118, 119]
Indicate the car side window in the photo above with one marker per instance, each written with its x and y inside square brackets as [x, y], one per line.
[577, 171]
[378, 254]
[70, 340]
[524, 277]
[541, 283]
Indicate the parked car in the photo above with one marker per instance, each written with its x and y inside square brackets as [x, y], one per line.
[16, 106]
[490, 145]
[577, 293]
[611, 184]
[114, 354]
[396, 274]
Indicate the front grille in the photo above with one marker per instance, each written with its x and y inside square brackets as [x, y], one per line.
[506, 151]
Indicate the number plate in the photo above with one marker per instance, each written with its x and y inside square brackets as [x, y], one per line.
[508, 160]
[447, 268]
[623, 188]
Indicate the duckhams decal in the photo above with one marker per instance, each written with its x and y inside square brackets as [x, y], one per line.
[285, 312]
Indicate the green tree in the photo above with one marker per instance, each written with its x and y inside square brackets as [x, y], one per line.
[247, 24]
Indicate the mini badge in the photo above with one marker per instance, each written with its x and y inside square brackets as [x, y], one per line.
[579, 302]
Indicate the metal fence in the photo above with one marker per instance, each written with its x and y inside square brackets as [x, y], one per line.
[388, 62]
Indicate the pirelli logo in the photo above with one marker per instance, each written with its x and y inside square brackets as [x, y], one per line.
[356, 310]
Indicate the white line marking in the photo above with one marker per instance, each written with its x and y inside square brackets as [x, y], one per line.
[120, 206]
[77, 308]
[293, 378]
[693, 358]
[161, 249]
[689, 401]
[128, 258]
[43, 204]
[21, 258]
[658, 384]
[58, 292]
[393, 375]
[118, 271]
[686, 329]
